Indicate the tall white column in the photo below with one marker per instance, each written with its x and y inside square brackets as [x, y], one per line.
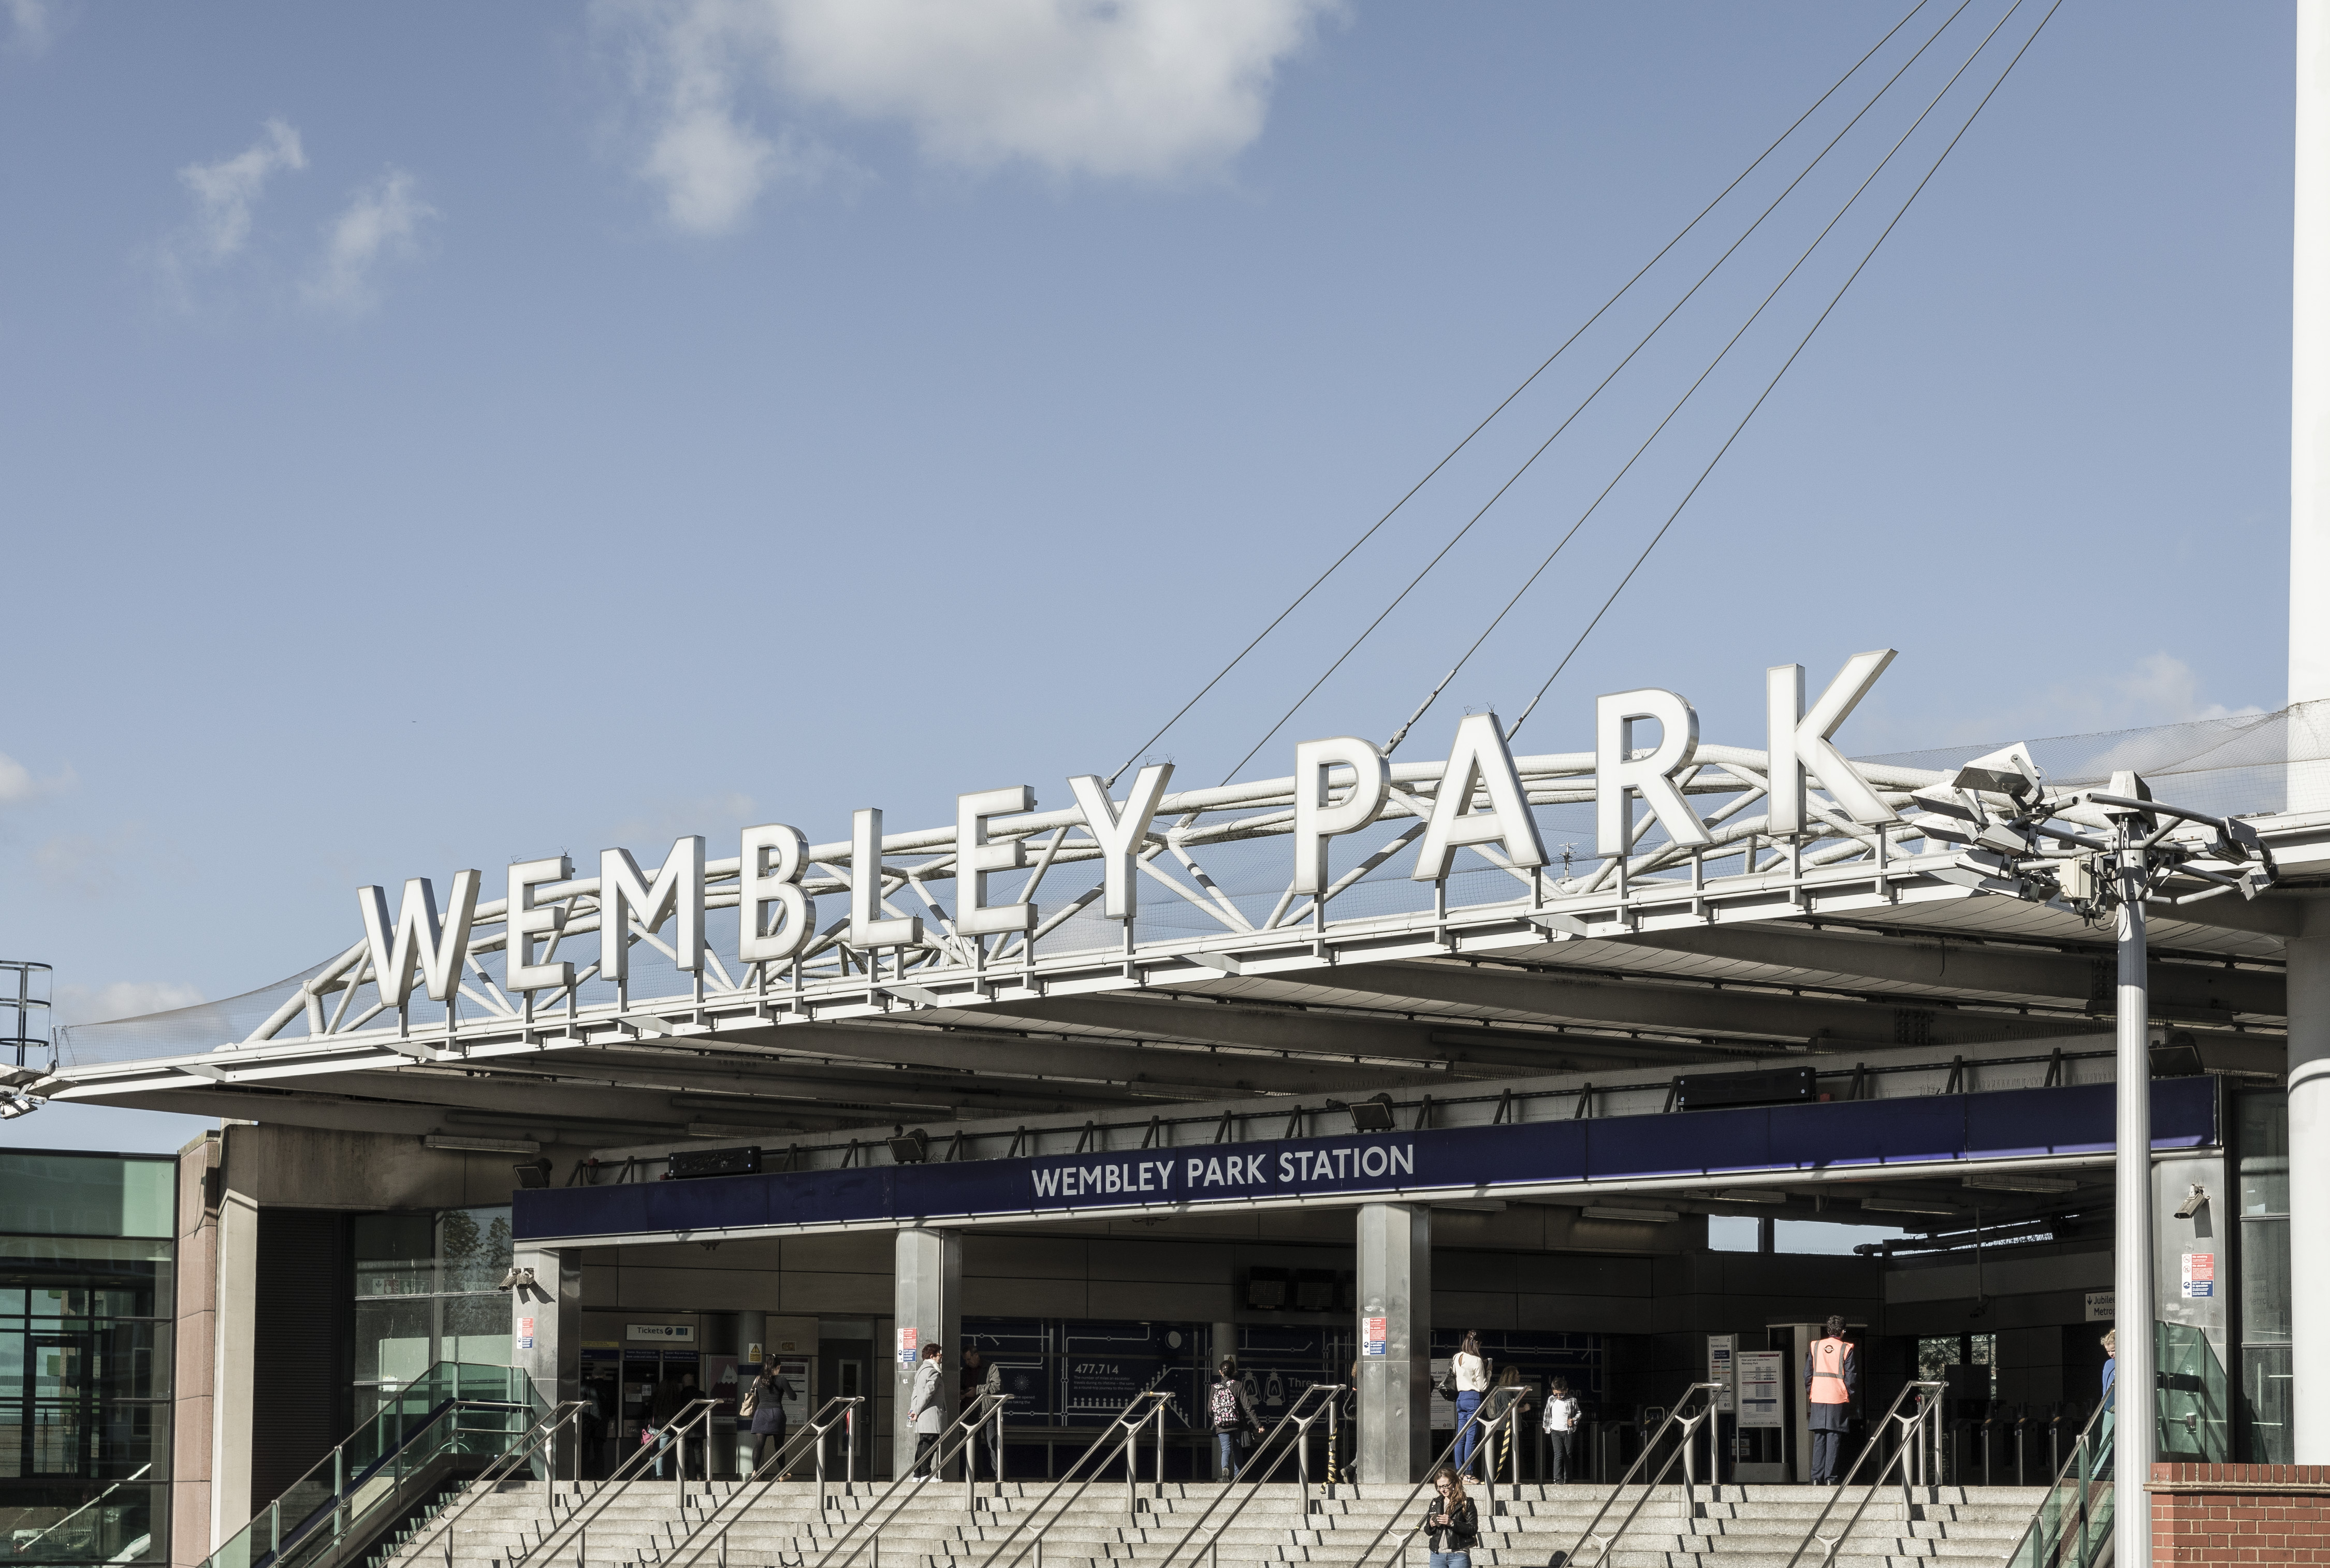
[1395, 1284]
[927, 1285]
[2132, 1231]
[2309, 683]
[2309, 1185]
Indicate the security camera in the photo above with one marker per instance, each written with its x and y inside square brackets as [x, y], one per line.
[2194, 1198]
[516, 1277]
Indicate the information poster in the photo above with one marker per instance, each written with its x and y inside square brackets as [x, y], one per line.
[2200, 1276]
[1760, 1373]
[1719, 1351]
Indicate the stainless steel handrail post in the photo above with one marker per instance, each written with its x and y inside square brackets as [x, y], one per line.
[833, 1412]
[1650, 1448]
[1294, 1416]
[1125, 1426]
[1904, 1457]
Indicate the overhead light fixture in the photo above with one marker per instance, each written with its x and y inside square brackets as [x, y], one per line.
[1475, 1205]
[2193, 1199]
[909, 1148]
[1913, 1206]
[1749, 1195]
[465, 1144]
[1372, 1114]
[1632, 1216]
[2020, 1182]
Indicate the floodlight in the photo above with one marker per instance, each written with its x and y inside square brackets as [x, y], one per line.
[2193, 1199]
[1372, 1115]
[2008, 771]
[909, 1148]
[533, 1173]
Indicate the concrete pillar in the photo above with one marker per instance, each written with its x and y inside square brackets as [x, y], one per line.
[2309, 683]
[546, 1331]
[2309, 1185]
[234, 1367]
[928, 1286]
[1395, 1285]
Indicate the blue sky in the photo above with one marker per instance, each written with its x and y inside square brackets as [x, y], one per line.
[436, 435]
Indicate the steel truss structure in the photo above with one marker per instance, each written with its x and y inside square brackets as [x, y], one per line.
[1228, 983]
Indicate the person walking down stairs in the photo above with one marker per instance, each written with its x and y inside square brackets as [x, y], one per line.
[1831, 1378]
[1560, 1427]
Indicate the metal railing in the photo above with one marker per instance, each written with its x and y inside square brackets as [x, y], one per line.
[19, 1548]
[2073, 1521]
[1301, 1416]
[1140, 1411]
[543, 1434]
[840, 1411]
[655, 1442]
[1430, 1470]
[1708, 1394]
[349, 1488]
[951, 1442]
[1917, 1457]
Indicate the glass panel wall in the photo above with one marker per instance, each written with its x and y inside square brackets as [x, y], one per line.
[2261, 1148]
[84, 1358]
[425, 1293]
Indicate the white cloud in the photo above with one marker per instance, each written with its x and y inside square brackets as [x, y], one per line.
[382, 223]
[122, 999]
[2167, 691]
[32, 25]
[1109, 88]
[225, 191]
[18, 786]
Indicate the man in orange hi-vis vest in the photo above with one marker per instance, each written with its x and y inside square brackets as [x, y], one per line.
[1832, 1379]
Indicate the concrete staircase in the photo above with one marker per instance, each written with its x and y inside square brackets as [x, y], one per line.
[791, 1526]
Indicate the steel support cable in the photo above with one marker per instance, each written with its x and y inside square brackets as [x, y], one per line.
[1641, 344]
[1372, 529]
[1799, 349]
[1531, 581]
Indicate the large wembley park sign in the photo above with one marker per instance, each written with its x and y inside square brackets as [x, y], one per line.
[1353, 858]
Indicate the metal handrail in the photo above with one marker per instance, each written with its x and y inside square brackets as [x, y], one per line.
[544, 1431]
[1919, 1432]
[335, 1506]
[832, 1413]
[1125, 1426]
[1691, 1425]
[2080, 1461]
[603, 1492]
[135, 1476]
[964, 1427]
[1430, 1470]
[1302, 1425]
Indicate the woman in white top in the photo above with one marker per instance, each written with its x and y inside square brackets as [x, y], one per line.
[1472, 1373]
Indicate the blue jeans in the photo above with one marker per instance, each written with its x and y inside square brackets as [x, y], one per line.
[1226, 1450]
[1467, 1403]
[1452, 1560]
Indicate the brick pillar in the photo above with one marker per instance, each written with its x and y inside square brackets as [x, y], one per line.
[2238, 1513]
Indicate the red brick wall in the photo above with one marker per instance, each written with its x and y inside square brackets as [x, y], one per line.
[2239, 1513]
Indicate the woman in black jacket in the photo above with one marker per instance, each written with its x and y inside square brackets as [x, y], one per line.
[1451, 1522]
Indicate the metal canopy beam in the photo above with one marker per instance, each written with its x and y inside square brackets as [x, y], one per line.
[2179, 990]
[1729, 1011]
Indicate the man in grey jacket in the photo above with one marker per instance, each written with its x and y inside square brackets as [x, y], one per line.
[926, 1408]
